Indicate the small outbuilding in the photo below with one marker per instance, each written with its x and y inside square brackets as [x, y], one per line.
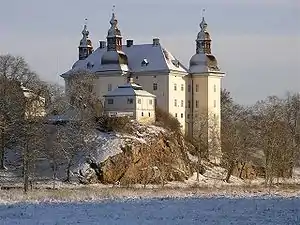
[131, 100]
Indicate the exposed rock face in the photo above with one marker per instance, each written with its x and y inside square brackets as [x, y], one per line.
[158, 158]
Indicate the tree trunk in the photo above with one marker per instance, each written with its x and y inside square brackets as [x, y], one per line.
[69, 171]
[198, 166]
[2, 149]
[230, 171]
[26, 168]
[54, 170]
[241, 172]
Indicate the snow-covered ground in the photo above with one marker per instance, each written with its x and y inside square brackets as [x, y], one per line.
[159, 211]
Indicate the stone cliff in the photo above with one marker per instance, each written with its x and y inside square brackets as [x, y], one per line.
[150, 155]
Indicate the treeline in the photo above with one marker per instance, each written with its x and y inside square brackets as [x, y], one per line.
[269, 129]
[27, 107]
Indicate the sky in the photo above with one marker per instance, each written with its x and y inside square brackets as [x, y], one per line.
[256, 42]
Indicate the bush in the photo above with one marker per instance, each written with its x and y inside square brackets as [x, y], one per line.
[117, 124]
[167, 121]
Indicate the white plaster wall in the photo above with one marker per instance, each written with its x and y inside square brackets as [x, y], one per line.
[214, 95]
[102, 82]
[120, 104]
[143, 112]
[178, 95]
[146, 81]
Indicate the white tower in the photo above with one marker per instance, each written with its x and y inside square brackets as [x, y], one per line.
[204, 96]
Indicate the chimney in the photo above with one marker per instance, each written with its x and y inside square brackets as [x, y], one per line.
[155, 41]
[102, 44]
[129, 43]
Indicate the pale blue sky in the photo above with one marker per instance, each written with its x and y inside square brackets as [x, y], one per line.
[257, 42]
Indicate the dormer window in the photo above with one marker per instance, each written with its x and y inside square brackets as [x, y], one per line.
[144, 62]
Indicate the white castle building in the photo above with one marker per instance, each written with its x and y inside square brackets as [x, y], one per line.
[184, 92]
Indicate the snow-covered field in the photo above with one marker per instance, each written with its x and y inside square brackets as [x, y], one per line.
[158, 211]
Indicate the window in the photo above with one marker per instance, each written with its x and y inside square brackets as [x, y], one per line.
[189, 88]
[149, 114]
[215, 88]
[197, 104]
[137, 77]
[188, 116]
[182, 87]
[175, 87]
[189, 104]
[110, 101]
[176, 115]
[182, 103]
[129, 101]
[181, 115]
[197, 87]
[215, 116]
[139, 101]
[109, 87]
[215, 103]
[150, 102]
[142, 113]
[154, 86]
[175, 102]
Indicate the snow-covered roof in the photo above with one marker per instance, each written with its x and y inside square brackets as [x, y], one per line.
[203, 63]
[158, 58]
[129, 89]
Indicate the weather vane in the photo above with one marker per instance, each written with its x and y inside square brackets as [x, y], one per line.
[85, 21]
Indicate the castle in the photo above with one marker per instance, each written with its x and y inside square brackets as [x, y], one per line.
[183, 92]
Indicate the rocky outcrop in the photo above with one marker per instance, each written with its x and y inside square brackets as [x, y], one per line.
[151, 156]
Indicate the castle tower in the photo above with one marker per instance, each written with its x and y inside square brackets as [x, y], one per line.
[114, 54]
[114, 37]
[204, 96]
[85, 46]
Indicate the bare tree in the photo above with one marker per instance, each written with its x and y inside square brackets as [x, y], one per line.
[75, 121]
[237, 135]
[273, 137]
[292, 117]
[32, 136]
[13, 72]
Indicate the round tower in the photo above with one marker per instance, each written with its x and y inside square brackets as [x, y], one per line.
[205, 95]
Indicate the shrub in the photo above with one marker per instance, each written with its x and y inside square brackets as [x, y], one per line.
[167, 121]
[117, 124]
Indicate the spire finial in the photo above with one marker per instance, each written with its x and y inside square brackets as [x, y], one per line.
[203, 24]
[85, 46]
[113, 21]
[85, 31]
[203, 13]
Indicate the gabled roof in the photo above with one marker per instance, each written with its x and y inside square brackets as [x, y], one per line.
[158, 58]
[129, 89]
